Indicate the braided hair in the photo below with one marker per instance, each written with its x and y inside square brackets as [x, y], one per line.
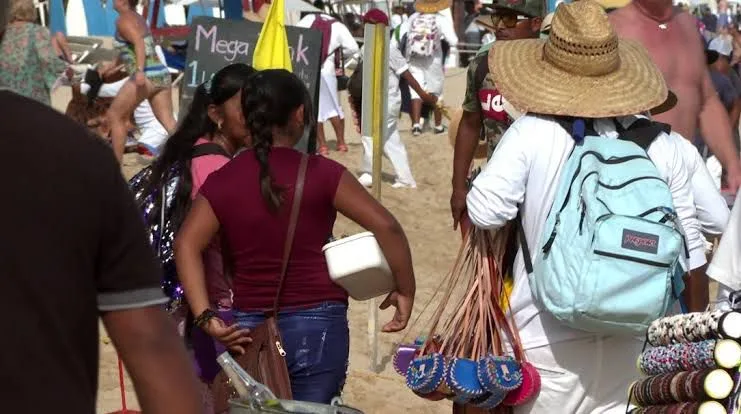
[269, 99]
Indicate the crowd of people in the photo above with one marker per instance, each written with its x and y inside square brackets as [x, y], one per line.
[219, 197]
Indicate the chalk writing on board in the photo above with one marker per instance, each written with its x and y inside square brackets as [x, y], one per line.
[216, 43]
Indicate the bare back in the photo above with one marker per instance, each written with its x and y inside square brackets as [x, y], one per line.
[678, 52]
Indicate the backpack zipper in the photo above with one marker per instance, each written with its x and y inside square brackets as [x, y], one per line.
[548, 244]
[631, 259]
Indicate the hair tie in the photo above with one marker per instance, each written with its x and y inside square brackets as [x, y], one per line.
[207, 86]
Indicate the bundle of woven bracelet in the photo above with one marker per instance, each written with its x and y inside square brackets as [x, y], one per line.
[692, 365]
[471, 352]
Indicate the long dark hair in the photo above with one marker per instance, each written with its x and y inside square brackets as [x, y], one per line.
[196, 124]
[269, 99]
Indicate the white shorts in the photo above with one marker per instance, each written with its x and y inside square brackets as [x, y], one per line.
[584, 376]
[429, 76]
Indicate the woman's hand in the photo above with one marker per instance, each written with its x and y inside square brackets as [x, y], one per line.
[231, 337]
[403, 304]
[140, 79]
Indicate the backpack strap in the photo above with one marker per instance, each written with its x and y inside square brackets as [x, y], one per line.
[210, 148]
[324, 25]
[523, 243]
[642, 131]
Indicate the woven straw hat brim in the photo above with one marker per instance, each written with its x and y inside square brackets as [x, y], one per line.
[532, 84]
[426, 6]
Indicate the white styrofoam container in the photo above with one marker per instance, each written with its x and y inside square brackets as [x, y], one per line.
[358, 265]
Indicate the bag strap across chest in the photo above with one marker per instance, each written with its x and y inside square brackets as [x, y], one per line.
[293, 221]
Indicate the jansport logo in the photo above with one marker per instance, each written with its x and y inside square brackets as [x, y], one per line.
[642, 242]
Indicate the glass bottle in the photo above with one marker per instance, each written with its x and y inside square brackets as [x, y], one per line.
[254, 393]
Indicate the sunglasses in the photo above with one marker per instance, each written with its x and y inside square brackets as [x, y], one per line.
[508, 20]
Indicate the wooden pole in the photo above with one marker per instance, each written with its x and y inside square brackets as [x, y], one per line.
[373, 124]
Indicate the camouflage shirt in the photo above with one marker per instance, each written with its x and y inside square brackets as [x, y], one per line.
[482, 96]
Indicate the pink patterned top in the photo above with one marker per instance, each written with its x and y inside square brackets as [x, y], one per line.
[219, 289]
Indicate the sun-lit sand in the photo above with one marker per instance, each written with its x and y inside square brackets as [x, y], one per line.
[425, 216]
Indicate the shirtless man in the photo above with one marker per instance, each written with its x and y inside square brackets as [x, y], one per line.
[673, 41]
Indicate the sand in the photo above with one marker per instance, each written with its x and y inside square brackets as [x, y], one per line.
[425, 217]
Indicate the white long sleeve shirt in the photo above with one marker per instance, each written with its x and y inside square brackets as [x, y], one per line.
[726, 265]
[340, 38]
[523, 173]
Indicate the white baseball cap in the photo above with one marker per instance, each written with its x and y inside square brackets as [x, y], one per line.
[545, 27]
[722, 45]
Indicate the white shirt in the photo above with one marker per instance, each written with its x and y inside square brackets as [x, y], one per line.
[340, 37]
[523, 173]
[726, 265]
[396, 20]
[397, 65]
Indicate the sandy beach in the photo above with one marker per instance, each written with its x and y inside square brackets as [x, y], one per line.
[424, 214]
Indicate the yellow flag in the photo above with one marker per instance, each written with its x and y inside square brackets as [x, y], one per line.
[271, 51]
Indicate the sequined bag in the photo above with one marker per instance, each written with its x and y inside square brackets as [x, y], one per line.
[157, 206]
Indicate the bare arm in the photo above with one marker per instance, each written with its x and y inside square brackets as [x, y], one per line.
[198, 229]
[465, 146]
[715, 128]
[355, 203]
[127, 26]
[426, 97]
[735, 112]
[154, 355]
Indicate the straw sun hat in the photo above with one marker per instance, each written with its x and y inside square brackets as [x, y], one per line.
[432, 6]
[581, 69]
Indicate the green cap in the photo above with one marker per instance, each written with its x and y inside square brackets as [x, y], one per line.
[532, 8]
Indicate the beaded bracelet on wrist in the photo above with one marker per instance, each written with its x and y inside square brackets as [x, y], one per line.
[205, 316]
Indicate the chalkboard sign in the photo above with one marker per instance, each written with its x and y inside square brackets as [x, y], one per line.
[215, 43]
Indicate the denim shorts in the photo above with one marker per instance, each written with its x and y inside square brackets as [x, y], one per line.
[317, 345]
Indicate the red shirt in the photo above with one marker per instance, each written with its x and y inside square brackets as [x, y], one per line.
[256, 236]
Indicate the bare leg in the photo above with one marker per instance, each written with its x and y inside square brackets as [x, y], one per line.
[128, 98]
[320, 138]
[338, 124]
[161, 102]
[416, 112]
[438, 117]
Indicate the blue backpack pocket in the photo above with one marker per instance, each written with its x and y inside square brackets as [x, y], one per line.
[647, 256]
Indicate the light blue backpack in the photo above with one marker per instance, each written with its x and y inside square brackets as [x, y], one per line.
[611, 248]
